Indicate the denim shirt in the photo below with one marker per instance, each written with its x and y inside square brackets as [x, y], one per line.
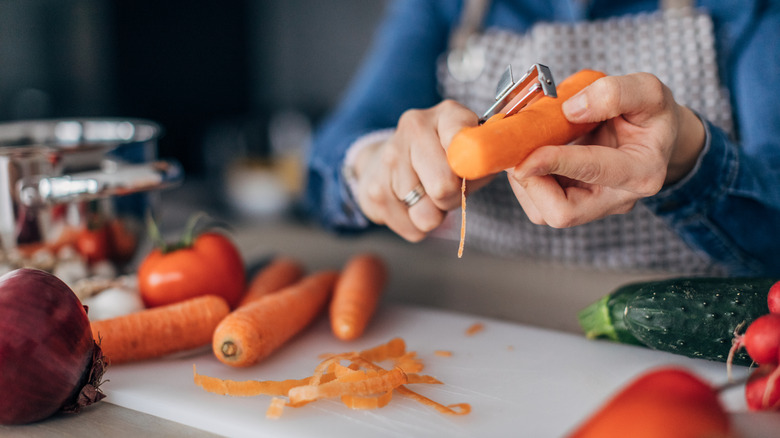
[729, 204]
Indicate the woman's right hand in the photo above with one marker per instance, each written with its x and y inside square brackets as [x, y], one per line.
[415, 155]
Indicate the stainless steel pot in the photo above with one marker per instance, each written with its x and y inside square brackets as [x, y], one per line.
[70, 173]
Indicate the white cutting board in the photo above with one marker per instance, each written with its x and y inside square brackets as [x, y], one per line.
[519, 380]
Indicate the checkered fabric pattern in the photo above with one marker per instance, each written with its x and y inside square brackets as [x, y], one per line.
[677, 45]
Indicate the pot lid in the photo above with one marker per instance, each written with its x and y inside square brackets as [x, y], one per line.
[73, 135]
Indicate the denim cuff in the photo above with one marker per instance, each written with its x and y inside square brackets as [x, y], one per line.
[714, 171]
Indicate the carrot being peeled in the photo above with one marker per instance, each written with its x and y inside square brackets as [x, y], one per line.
[278, 274]
[161, 330]
[257, 329]
[356, 296]
[504, 142]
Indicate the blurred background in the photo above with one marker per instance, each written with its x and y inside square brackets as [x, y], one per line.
[233, 82]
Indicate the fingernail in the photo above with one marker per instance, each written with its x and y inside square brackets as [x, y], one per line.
[576, 106]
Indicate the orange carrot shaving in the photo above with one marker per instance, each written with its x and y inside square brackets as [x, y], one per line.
[160, 331]
[409, 362]
[278, 274]
[455, 409]
[475, 328]
[249, 388]
[443, 353]
[349, 373]
[356, 295]
[422, 378]
[369, 385]
[462, 218]
[257, 329]
[276, 408]
[354, 377]
[362, 402]
[394, 348]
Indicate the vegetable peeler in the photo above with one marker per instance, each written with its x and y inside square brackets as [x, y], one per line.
[512, 96]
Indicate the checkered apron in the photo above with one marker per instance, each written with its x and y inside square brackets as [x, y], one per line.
[675, 44]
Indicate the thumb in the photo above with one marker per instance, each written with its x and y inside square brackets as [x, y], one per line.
[637, 97]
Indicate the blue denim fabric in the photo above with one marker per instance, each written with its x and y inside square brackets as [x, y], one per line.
[729, 206]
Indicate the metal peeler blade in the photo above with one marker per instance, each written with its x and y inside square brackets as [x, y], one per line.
[513, 96]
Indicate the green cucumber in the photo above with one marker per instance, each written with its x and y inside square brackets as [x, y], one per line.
[604, 318]
[694, 317]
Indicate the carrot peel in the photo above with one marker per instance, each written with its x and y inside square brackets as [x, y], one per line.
[370, 385]
[361, 402]
[360, 384]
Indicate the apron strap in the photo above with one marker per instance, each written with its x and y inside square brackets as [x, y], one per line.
[470, 23]
[676, 4]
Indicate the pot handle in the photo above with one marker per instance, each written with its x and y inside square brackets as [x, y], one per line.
[114, 180]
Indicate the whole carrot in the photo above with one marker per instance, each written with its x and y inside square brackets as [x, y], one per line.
[254, 331]
[356, 296]
[161, 330]
[668, 403]
[278, 274]
[504, 142]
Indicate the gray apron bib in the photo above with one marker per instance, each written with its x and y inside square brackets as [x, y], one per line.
[675, 44]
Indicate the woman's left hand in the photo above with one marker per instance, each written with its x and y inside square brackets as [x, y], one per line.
[647, 140]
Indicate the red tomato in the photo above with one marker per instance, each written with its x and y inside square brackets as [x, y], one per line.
[667, 402]
[212, 265]
[93, 244]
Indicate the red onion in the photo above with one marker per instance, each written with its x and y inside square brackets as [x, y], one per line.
[48, 359]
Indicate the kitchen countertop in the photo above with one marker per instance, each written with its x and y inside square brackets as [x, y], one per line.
[427, 274]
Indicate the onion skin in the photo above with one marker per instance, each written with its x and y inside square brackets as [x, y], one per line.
[48, 359]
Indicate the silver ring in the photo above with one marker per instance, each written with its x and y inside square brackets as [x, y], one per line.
[414, 196]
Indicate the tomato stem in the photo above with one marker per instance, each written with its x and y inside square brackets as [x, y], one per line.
[187, 239]
[154, 233]
[189, 230]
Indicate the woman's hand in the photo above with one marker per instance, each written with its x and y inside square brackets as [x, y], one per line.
[647, 140]
[415, 155]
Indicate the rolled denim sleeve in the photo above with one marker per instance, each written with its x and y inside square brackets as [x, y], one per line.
[711, 212]
[729, 205]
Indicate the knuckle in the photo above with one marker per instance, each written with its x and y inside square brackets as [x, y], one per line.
[390, 155]
[536, 219]
[608, 90]
[441, 191]
[625, 208]
[650, 186]
[411, 118]
[414, 237]
[375, 193]
[564, 219]
[656, 93]
[448, 104]
[426, 219]
[588, 172]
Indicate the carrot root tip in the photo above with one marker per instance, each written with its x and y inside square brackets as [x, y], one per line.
[229, 349]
